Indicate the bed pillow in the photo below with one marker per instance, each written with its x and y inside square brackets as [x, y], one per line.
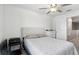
[35, 36]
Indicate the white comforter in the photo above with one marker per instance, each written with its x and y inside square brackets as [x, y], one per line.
[49, 46]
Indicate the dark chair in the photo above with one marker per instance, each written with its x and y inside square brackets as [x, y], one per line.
[15, 46]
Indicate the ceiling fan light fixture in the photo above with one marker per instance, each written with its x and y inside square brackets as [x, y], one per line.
[53, 9]
[53, 5]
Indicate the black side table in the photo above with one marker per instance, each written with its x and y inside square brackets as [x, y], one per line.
[15, 46]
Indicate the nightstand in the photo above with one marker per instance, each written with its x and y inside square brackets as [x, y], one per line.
[15, 46]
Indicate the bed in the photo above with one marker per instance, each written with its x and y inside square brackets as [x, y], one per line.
[43, 45]
[49, 46]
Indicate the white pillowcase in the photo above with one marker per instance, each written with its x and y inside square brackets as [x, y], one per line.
[35, 36]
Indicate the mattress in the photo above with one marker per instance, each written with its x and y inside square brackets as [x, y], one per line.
[49, 46]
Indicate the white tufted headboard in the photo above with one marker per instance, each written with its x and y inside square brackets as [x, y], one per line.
[32, 30]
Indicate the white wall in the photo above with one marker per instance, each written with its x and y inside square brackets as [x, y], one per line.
[1, 22]
[33, 19]
[61, 24]
[15, 18]
[11, 22]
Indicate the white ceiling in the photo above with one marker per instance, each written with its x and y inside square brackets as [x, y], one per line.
[35, 7]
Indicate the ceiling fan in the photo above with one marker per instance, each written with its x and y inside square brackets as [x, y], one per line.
[55, 8]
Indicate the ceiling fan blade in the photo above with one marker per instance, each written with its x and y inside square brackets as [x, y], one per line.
[66, 5]
[48, 12]
[43, 8]
[59, 10]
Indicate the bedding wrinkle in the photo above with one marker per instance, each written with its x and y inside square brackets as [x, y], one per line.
[49, 46]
